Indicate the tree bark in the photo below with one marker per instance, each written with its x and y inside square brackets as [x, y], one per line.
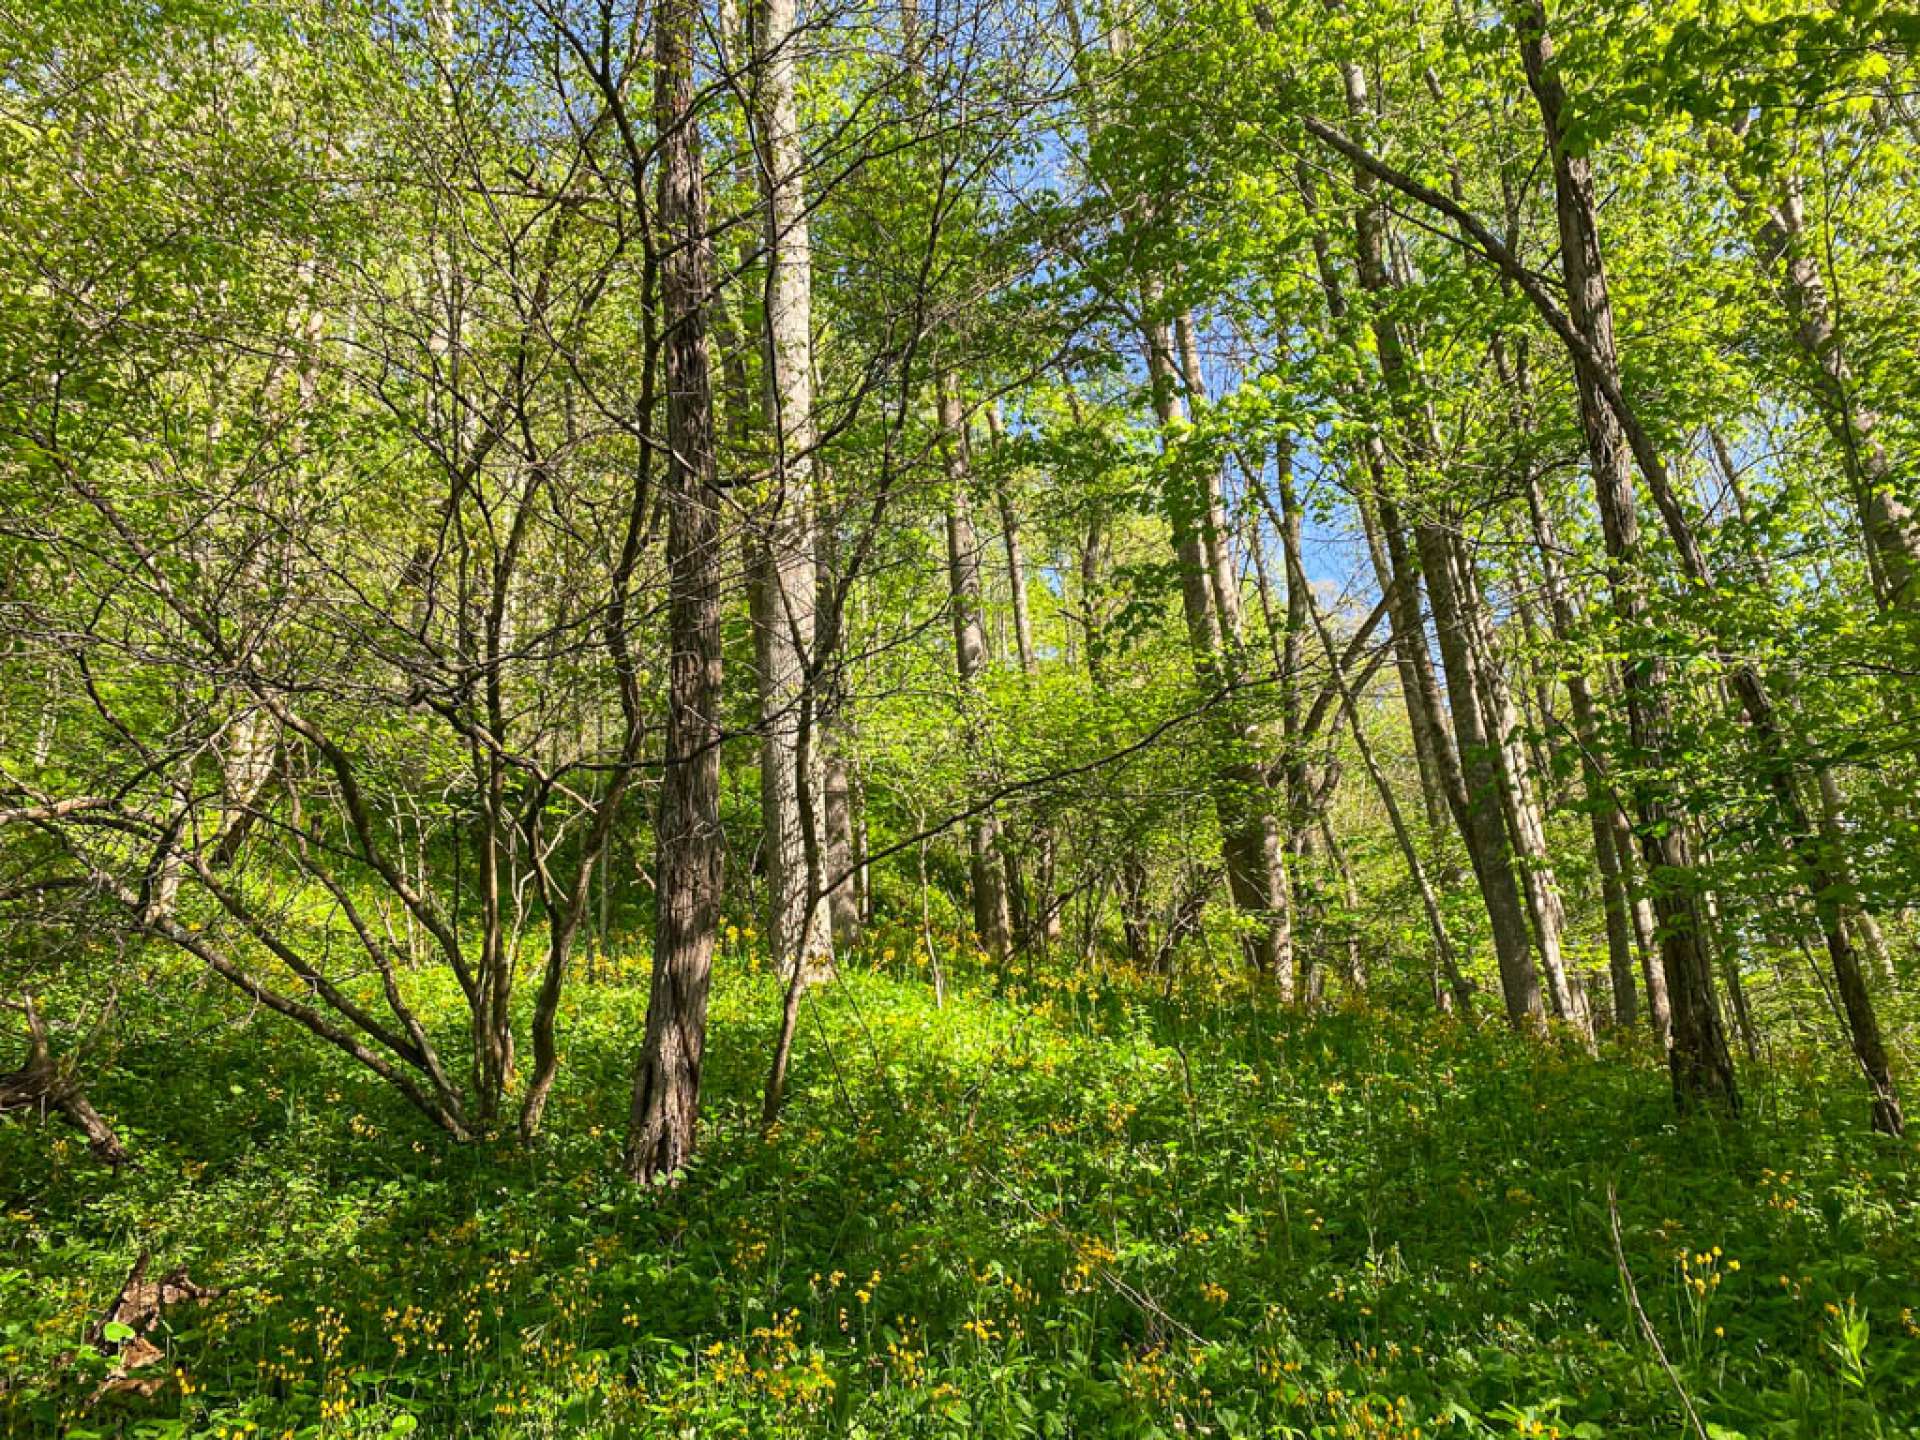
[1601, 809]
[1252, 843]
[1037, 919]
[1600, 368]
[1474, 787]
[843, 900]
[1478, 803]
[1887, 522]
[1525, 826]
[1016, 556]
[992, 907]
[1701, 1066]
[799, 928]
[1457, 983]
[1702, 1070]
[666, 1088]
[1132, 888]
[45, 1082]
[840, 796]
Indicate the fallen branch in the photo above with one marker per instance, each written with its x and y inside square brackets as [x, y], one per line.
[45, 1083]
[133, 1316]
[1640, 1314]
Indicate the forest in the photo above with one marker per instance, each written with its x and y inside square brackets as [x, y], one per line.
[946, 718]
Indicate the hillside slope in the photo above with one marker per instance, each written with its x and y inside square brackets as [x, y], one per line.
[1051, 1207]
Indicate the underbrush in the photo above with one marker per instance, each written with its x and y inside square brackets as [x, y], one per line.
[1060, 1204]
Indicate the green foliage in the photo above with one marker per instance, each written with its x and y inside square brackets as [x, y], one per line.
[1064, 1204]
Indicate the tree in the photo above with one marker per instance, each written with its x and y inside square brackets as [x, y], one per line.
[666, 1085]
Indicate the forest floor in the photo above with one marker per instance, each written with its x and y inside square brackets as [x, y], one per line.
[1057, 1205]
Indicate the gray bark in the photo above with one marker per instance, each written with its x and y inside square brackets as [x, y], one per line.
[1701, 1066]
[1888, 522]
[799, 926]
[992, 907]
[1252, 843]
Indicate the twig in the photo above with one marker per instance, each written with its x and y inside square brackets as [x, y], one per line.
[1137, 1297]
[1640, 1314]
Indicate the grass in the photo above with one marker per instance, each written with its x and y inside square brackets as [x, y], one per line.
[1060, 1205]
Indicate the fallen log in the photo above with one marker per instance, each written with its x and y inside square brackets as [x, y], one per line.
[125, 1331]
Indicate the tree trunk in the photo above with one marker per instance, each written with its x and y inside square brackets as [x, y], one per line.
[1473, 786]
[1433, 753]
[1646, 936]
[840, 869]
[1251, 841]
[45, 1082]
[1356, 967]
[1412, 656]
[666, 1086]
[1833, 836]
[1016, 557]
[1133, 873]
[1599, 367]
[1478, 807]
[1461, 991]
[1289, 635]
[1040, 915]
[1888, 523]
[992, 907]
[1701, 1067]
[1526, 828]
[843, 900]
[1601, 810]
[799, 927]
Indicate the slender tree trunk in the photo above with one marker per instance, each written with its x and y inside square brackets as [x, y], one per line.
[1834, 867]
[1461, 991]
[1888, 523]
[1016, 556]
[1833, 836]
[246, 769]
[1600, 807]
[785, 590]
[1434, 756]
[666, 1086]
[1599, 367]
[1701, 1066]
[1476, 796]
[843, 900]
[1223, 581]
[1832, 812]
[1356, 967]
[992, 907]
[1729, 963]
[1289, 648]
[1133, 872]
[1045, 925]
[1525, 826]
[1646, 937]
[1251, 840]
[1479, 810]
[840, 842]
[1543, 722]
[1413, 658]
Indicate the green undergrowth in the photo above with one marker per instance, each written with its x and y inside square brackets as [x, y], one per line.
[1057, 1205]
